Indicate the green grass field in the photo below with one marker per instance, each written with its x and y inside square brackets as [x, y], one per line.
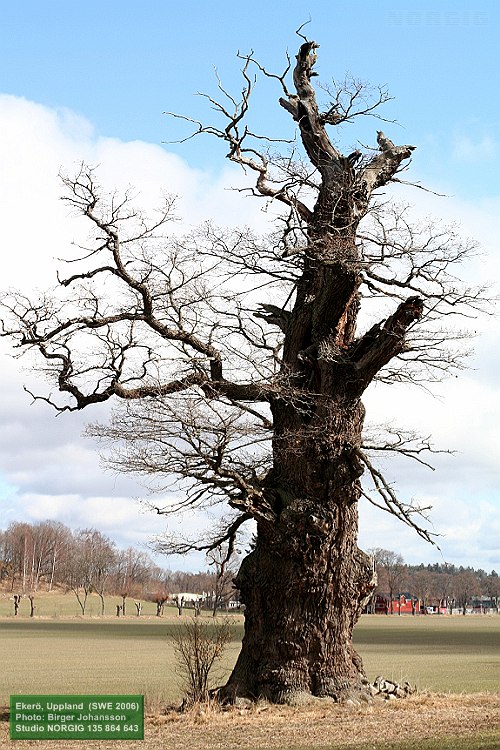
[94, 656]
[56, 653]
[445, 654]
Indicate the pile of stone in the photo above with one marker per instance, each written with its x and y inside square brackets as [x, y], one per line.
[389, 690]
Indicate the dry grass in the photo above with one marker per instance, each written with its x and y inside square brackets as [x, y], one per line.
[327, 725]
[423, 721]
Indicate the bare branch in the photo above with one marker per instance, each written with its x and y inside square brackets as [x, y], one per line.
[175, 545]
[383, 167]
[391, 504]
[384, 341]
[387, 438]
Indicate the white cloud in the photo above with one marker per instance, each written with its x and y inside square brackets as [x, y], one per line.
[48, 469]
[121, 518]
[37, 143]
[464, 489]
[468, 534]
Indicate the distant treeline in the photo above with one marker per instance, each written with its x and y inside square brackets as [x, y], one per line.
[440, 585]
[48, 555]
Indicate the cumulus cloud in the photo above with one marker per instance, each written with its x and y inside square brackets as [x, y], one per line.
[467, 532]
[50, 471]
[38, 143]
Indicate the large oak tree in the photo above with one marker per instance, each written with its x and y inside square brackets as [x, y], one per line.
[240, 363]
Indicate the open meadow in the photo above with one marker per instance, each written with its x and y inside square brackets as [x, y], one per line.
[453, 661]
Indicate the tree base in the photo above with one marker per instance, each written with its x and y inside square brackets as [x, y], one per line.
[360, 692]
[363, 693]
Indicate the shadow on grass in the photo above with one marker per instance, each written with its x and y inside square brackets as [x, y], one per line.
[445, 640]
[101, 628]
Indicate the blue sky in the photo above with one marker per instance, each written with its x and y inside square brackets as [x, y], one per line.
[92, 80]
[121, 64]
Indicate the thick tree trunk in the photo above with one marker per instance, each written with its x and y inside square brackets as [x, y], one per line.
[300, 609]
[306, 582]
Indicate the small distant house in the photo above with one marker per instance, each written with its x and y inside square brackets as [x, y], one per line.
[483, 605]
[405, 604]
[187, 598]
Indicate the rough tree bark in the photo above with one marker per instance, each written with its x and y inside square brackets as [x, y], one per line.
[206, 379]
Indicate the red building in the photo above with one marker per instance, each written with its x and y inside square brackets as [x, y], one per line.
[405, 604]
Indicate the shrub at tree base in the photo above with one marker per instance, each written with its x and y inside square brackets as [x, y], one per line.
[199, 646]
